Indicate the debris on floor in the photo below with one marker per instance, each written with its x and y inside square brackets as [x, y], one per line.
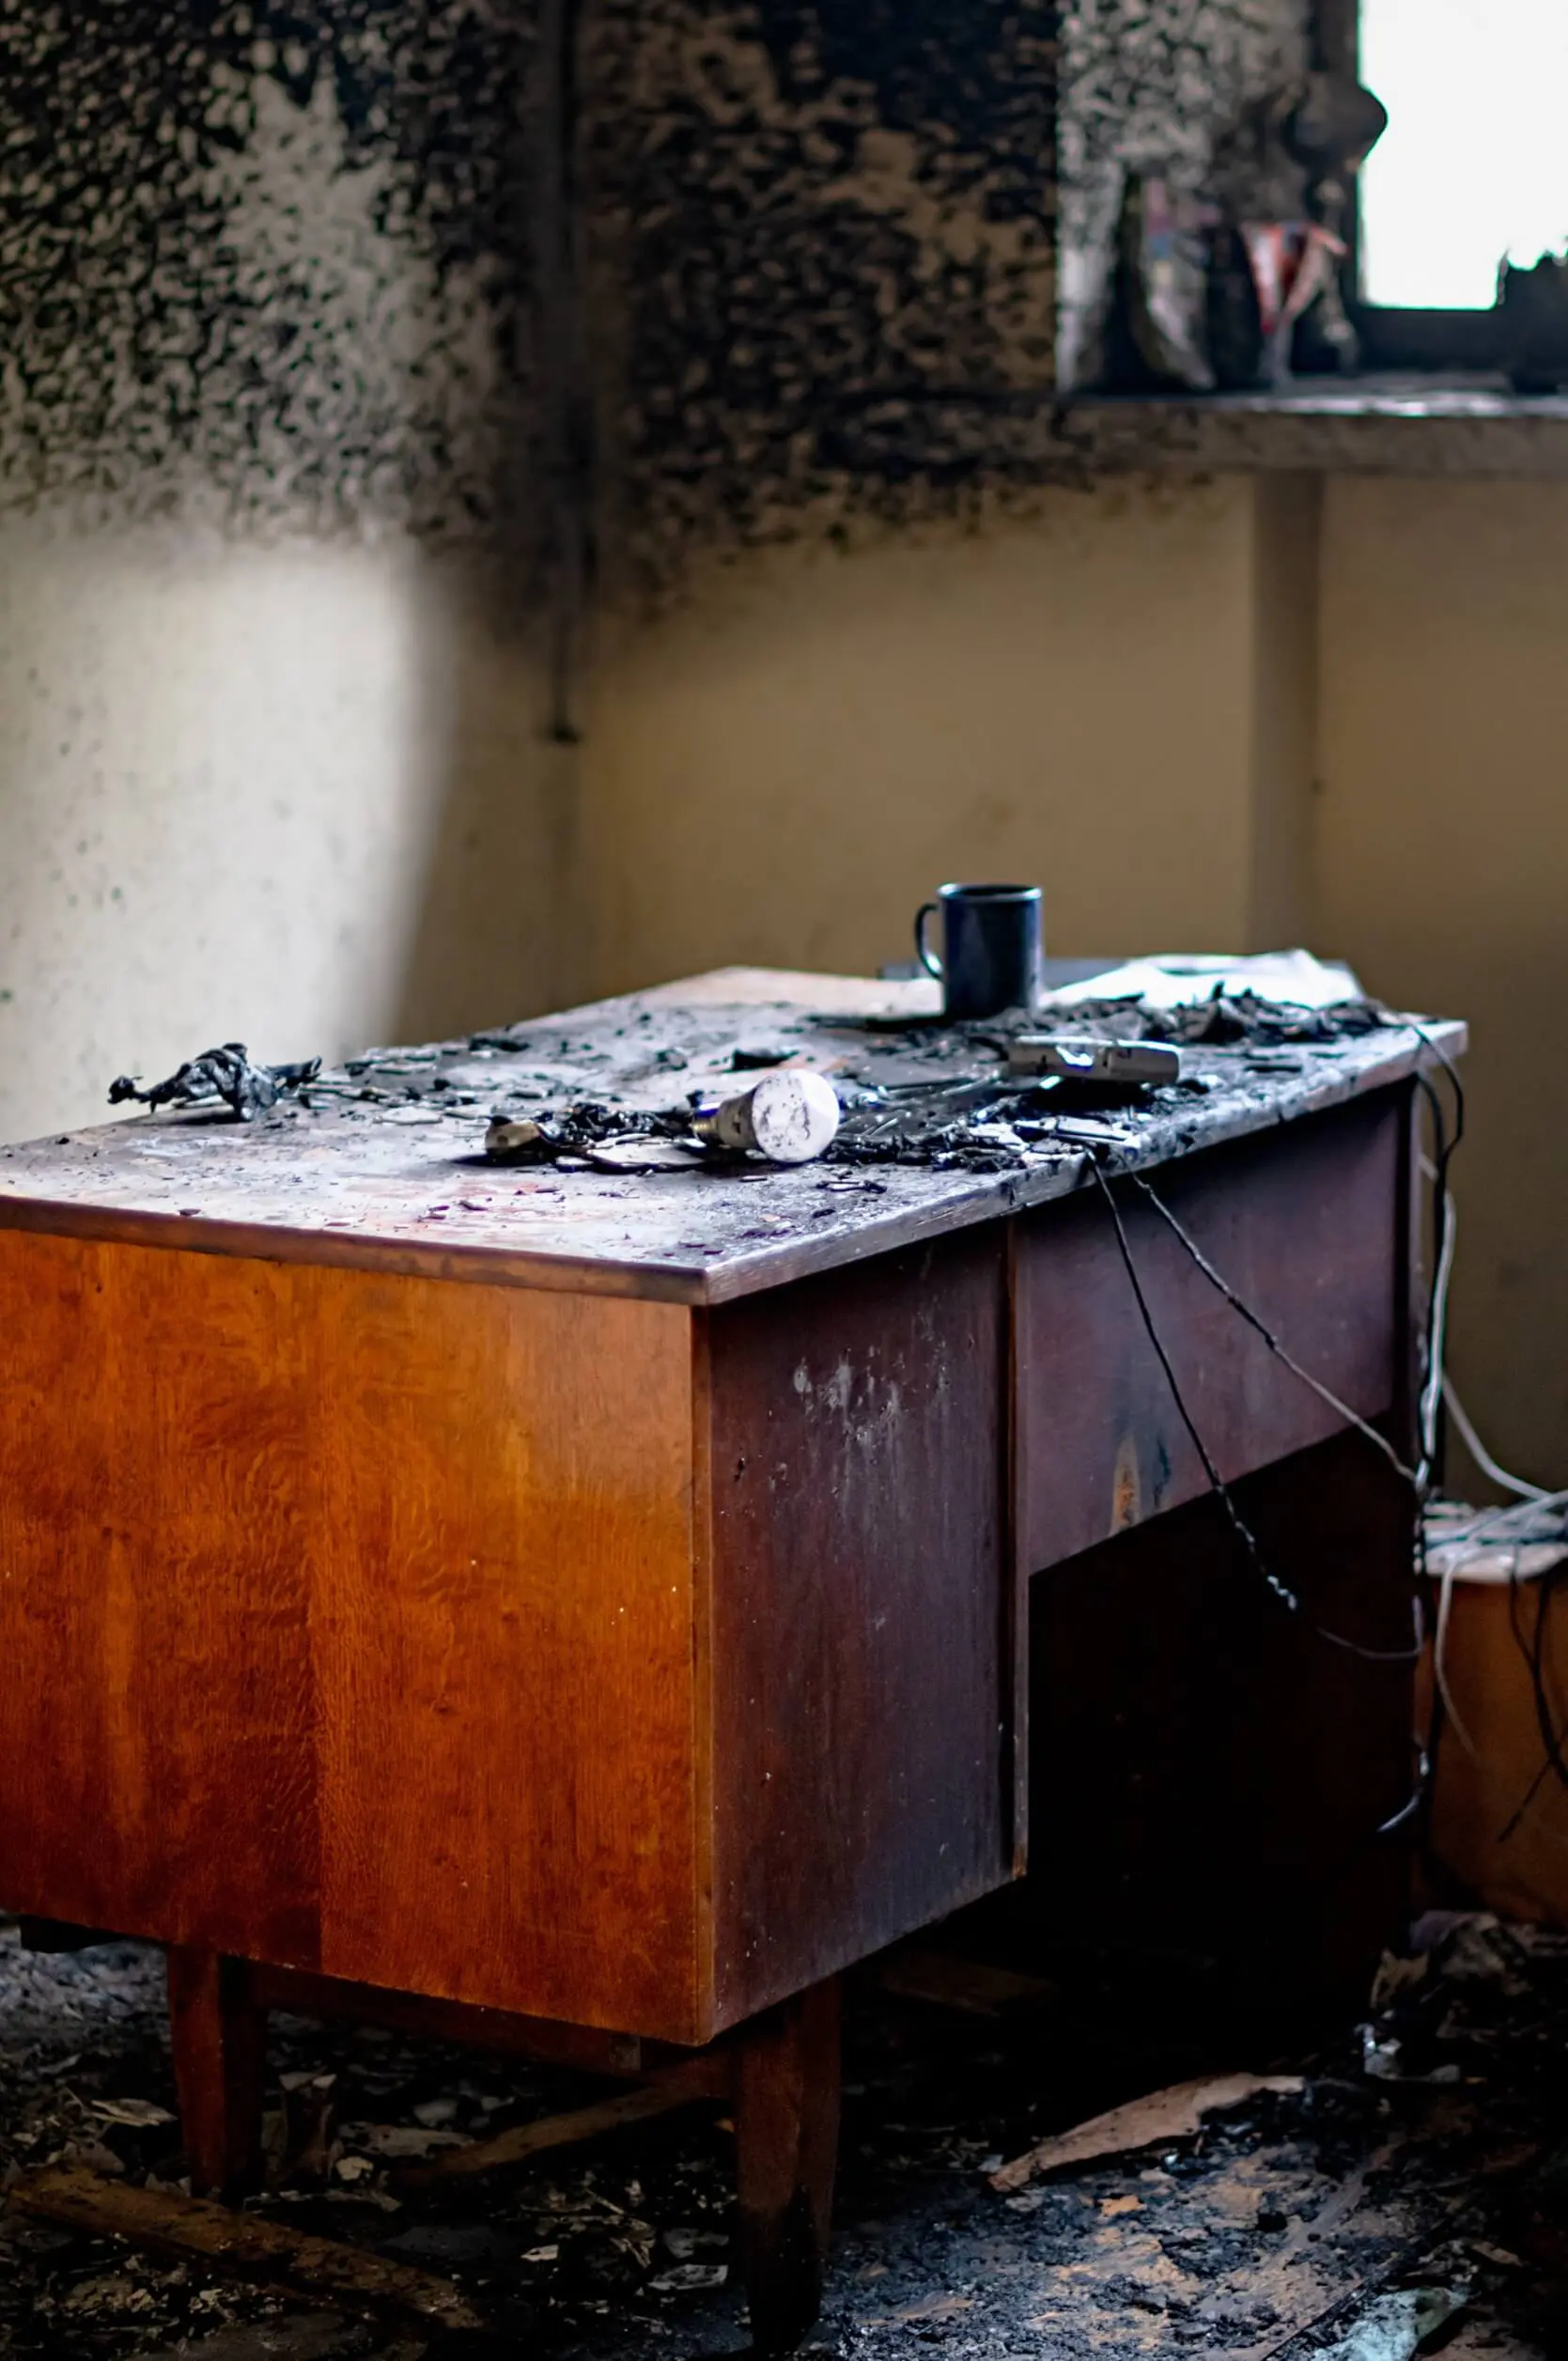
[1164, 2115]
[280, 2256]
[1328, 2211]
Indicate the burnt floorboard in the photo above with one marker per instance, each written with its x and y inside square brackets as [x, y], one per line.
[1424, 2158]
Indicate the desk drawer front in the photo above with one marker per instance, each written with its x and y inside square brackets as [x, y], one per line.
[1308, 1225]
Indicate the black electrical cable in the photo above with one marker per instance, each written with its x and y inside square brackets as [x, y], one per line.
[1363, 1426]
[1451, 1070]
[1535, 1653]
[1445, 1142]
[1443, 1147]
[1242, 1531]
[1238, 1524]
[1419, 1795]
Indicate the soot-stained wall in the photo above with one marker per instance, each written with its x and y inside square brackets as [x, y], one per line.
[274, 264]
[1159, 86]
[272, 732]
[803, 212]
[264, 262]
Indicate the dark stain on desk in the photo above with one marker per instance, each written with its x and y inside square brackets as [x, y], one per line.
[858, 1575]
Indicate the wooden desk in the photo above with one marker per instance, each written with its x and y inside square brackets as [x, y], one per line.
[598, 1601]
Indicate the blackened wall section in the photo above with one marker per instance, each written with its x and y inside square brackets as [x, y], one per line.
[265, 260]
[804, 211]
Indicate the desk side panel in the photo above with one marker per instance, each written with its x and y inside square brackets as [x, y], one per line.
[347, 1623]
[862, 1624]
[1309, 1223]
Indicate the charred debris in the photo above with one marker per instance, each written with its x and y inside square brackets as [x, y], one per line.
[223, 1077]
[1120, 2157]
[667, 1088]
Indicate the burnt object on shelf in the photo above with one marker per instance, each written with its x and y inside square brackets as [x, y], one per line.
[1534, 311]
[1157, 331]
[1331, 134]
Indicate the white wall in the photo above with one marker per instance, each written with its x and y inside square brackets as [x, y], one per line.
[300, 794]
[782, 769]
[1443, 873]
[295, 795]
[1254, 711]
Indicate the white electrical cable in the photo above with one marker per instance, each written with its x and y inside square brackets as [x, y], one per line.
[1440, 1664]
[1497, 1525]
[1480, 1453]
[1513, 1524]
[1431, 1392]
[1466, 1533]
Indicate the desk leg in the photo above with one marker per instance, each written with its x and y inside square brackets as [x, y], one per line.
[218, 2033]
[786, 2103]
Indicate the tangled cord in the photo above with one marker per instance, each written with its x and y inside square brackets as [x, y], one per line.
[1249, 1540]
[1446, 1140]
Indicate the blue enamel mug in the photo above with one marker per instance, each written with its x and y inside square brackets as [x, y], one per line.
[993, 948]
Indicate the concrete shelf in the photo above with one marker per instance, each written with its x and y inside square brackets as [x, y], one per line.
[1372, 425]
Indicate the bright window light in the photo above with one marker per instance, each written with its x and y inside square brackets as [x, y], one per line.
[1474, 163]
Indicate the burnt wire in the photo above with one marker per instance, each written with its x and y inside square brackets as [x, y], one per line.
[1409, 1809]
[1435, 1395]
[1342, 1409]
[1239, 1525]
[1533, 1650]
[1429, 1401]
[1445, 1139]
[1444, 1144]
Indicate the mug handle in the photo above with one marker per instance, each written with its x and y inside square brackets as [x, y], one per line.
[929, 959]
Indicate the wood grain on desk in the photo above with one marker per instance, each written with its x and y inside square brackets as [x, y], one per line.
[601, 1660]
[632, 1635]
[349, 1623]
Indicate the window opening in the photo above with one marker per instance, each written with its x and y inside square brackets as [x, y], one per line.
[1473, 166]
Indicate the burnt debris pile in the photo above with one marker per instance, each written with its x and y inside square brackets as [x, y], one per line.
[637, 1086]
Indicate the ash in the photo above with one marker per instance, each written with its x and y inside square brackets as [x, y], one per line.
[915, 1093]
[1419, 2169]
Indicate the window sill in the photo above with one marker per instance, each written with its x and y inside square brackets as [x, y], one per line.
[1386, 425]
[1407, 425]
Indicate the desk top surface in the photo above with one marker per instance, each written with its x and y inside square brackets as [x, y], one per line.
[381, 1163]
